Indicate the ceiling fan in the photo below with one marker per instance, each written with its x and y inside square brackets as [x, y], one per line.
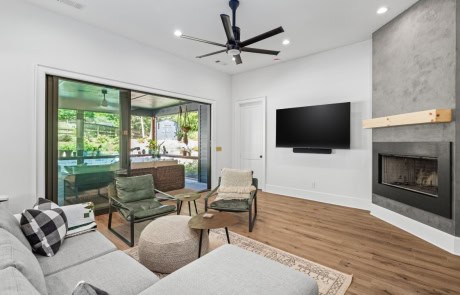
[234, 46]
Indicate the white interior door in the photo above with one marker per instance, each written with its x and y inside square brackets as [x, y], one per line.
[250, 129]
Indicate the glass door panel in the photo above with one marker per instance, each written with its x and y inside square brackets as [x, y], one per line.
[88, 142]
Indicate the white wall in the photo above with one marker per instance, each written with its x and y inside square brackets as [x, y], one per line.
[30, 36]
[339, 75]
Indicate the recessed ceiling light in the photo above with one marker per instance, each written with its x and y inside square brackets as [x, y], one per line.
[286, 42]
[382, 10]
[177, 33]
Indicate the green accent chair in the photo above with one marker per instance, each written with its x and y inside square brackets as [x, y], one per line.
[135, 199]
[234, 205]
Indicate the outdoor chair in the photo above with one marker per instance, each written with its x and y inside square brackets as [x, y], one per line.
[236, 192]
[136, 201]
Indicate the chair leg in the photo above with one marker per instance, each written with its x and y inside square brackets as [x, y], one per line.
[189, 209]
[131, 225]
[252, 220]
[179, 207]
[110, 216]
[132, 232]
[228, 236]
[196, 210]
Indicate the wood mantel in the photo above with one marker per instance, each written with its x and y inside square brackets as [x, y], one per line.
[423, 117]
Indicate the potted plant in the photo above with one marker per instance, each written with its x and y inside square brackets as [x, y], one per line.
[67, 148]
[179, 134]
[185, 151]
[155, 148]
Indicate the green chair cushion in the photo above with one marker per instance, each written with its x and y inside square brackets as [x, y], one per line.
[146, 208]
[230, 205]
[132, 189]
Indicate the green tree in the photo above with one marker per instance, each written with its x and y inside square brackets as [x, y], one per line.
[67, 115]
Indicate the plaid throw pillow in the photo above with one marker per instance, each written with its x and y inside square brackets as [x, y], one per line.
[44, 204]
[84, 288]
[45, 230]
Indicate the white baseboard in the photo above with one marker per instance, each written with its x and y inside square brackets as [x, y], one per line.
[340, 200]
[434, 236]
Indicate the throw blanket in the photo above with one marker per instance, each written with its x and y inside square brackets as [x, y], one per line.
[80, 218]
[235, 184]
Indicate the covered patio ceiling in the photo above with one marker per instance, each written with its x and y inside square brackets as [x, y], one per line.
[77, 95]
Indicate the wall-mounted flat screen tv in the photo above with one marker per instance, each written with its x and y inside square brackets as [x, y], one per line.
[322, 126]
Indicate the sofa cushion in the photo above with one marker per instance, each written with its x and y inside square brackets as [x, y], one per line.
[76, 250]
[45, 230]
[232, 270]
[131, 189]
[115, 273]
[12, 282]
[14, 253]
[9, 223]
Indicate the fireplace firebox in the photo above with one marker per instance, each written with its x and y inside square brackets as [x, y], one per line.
[414, 173]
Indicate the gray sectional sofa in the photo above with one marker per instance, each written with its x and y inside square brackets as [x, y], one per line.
[92, 258]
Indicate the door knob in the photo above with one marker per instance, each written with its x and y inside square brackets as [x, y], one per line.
[260, 156]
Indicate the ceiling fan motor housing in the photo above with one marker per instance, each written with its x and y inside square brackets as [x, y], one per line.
[234, 46]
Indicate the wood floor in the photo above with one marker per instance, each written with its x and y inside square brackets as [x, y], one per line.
[382, 258]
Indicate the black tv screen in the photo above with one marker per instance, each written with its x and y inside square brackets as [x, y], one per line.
[323, 126]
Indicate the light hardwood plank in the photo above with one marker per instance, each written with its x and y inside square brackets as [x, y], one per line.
[382, 258]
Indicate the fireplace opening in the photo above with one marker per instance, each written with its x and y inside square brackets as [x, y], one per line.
[418, 174]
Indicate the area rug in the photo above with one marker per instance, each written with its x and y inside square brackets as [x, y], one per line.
[330, 281]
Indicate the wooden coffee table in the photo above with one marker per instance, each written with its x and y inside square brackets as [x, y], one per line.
[187, 197]
[219, 220]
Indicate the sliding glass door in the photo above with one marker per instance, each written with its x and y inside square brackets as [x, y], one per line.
[97, 132]
[86, 135]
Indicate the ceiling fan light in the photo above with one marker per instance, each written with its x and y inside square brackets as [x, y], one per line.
[286, 42]
[104, 103]
[233, 52]
[177, 33]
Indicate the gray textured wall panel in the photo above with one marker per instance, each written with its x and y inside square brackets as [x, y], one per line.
[414, 69]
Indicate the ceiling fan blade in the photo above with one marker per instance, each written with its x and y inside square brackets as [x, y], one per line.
[238, 59]
[262, 51]
[262, 36]
[228, 28]
[202, 41]
[212, 53]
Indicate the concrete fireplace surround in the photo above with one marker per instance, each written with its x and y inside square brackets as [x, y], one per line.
[415, 69]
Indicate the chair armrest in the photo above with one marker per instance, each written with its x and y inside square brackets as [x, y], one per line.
[116, 202]
[211, 193]
[252, 195]
[168, 196]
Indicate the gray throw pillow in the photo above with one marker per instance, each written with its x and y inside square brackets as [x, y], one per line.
[84, 288]
[14, 253]
[136, 188]
[9, 223]
[12, 282]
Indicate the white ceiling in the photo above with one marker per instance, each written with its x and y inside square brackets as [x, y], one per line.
[311, 25]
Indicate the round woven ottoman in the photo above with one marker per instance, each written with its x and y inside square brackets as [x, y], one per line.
[168, 243]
